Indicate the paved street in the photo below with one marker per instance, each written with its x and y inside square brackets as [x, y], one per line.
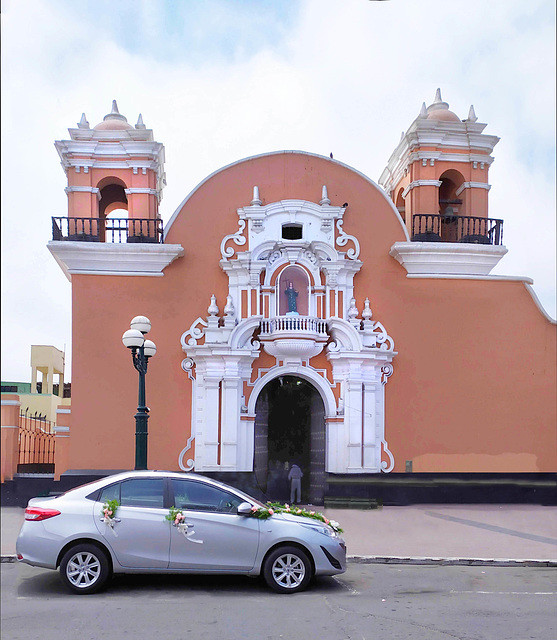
[367, 602]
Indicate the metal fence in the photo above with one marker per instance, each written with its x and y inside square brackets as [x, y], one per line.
[112, 230]
[36, 443]
[448, 228]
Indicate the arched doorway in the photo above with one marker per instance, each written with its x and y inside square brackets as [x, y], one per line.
[290, 428]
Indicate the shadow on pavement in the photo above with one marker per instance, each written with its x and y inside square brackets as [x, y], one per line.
[47, 584]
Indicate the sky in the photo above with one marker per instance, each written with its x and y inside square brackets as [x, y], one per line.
[221, 80]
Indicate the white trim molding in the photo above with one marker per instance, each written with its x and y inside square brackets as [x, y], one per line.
[98, 258]
[421, 258]
[151, 192]
[472, 185]
[11, 403]
[420, 183]
[60, 430]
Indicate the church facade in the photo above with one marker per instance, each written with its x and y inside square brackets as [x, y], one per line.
[303, 314]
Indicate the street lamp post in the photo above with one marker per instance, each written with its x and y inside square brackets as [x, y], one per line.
[142, 350]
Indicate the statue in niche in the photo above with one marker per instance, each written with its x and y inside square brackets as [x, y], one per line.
[291, 295]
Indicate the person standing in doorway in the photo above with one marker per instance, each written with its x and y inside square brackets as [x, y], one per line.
[295, 476]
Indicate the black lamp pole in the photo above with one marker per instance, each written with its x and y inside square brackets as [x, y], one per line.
[142, 350]
[140, 361]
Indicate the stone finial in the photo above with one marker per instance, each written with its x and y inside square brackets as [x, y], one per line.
[423, 112]
[256, 202]
[438, 103]
[352, 310]
[140, 124]
[472, 117]
[83, 124]
[115, 114]
[229, 309]
[324, 196]
[213, 309]
[366, 313]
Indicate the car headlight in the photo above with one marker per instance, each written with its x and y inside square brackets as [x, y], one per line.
[321, 528]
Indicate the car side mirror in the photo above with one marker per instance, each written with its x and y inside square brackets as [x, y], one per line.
[244, 509]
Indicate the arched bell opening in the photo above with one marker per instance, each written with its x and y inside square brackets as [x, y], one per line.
[113, 210]
[450, 205]
[290, 429]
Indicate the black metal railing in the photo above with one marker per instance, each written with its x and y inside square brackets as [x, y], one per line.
[36, 444]
[113, 230]
[452, 228]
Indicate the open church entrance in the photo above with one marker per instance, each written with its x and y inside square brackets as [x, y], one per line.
[290, 429]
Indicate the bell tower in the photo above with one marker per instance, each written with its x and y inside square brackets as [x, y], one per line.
[115, 177]
[113, 166]
[440, 166]
[437, 178]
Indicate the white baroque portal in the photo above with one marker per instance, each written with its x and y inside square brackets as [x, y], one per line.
[290, 293]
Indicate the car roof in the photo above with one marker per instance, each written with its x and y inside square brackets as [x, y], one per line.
[91, 487]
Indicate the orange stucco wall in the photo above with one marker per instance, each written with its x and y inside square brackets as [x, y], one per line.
[474, 379]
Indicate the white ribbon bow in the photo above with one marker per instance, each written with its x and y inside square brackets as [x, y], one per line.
[183, 528]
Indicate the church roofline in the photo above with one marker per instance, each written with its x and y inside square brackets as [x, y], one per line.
[275, 153]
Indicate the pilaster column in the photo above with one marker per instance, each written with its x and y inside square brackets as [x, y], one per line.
[230, 401]
[353, 420]
[370, 458]
[211, 423]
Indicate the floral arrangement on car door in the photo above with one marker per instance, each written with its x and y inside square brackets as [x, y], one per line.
[108, 514]
[177, 518]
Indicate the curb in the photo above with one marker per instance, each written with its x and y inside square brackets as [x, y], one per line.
[447, 562]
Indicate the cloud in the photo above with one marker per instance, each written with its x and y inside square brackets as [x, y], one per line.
[219, 81]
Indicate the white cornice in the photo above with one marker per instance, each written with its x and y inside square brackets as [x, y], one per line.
[97, 258]
[420, 183]
[152, 192]
[472, 185]
[82, 189]
[445, 137]
[442, 258]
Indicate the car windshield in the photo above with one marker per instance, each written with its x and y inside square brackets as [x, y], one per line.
[246, 497]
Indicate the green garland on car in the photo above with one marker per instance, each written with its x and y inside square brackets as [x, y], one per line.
[276, 507]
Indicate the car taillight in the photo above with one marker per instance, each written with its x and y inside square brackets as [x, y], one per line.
[38, 513]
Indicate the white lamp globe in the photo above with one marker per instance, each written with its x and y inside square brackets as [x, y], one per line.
[149, 348]
[141, 323]
[133, 338]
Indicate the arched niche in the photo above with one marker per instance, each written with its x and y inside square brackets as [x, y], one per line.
[292, 291]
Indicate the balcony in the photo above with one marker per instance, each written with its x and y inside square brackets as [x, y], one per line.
[110, 230]
[293, 338]
[454, 228]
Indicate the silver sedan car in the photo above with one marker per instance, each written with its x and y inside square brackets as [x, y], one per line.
[165, 522]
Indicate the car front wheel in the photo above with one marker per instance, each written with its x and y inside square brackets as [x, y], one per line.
[85, 569]
[287, 570]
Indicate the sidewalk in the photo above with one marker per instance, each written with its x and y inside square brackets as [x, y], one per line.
[459, 534]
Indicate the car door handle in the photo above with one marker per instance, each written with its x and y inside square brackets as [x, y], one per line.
[113, 520]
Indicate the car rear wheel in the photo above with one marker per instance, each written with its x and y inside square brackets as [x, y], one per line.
[85, 568]
[287, 570]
